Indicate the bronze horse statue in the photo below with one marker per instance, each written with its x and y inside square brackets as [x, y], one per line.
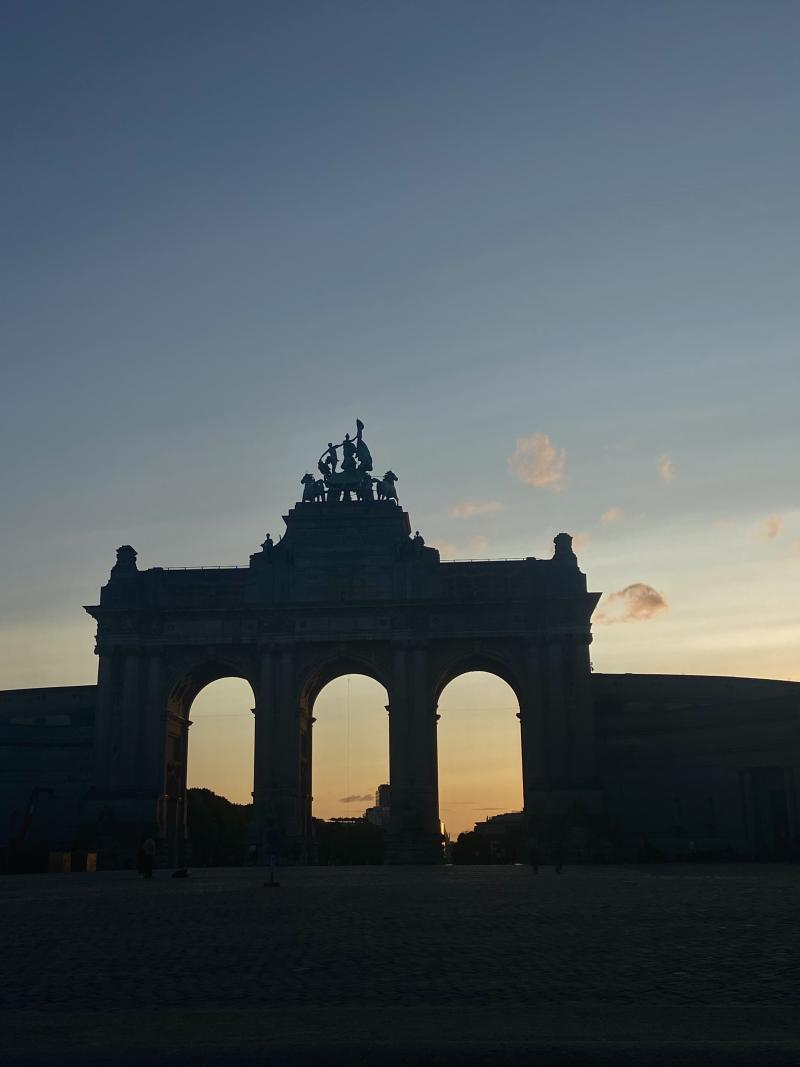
[385, 487]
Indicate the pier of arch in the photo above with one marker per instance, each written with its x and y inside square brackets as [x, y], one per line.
[347, 589]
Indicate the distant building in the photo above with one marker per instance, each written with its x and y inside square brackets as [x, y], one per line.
[379, 814]
[505, 834]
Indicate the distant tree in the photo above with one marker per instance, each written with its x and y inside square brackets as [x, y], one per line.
[217, 829]
[471, 848]
[348, 843]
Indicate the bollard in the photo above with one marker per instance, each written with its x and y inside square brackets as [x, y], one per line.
[271, 884]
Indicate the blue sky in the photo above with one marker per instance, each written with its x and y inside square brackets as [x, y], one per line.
[229, 229]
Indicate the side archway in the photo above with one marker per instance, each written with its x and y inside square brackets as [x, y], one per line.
[207, 685]
[481, 795]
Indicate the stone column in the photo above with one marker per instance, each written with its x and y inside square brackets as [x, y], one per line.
[414, 833]
[583, 756]
[399, 769]
[130, 723]
[791, 804]
[106, 726]
[748, 808]
[533, 723]
[305, 726]
[151, 769]
[559, 730]
[291, 806]
[265, 756]
[278, 823]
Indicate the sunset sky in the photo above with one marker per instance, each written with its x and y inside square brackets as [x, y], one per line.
[548, 252]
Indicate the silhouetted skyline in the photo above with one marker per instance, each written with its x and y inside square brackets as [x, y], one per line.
[548, 252]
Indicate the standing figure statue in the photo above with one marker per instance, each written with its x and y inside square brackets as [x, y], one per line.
[348, 454]
[363, 453]
[364, 491]
[328, 460]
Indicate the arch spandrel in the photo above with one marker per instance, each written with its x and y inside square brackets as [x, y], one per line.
[188, 677]
[452, 663]
[317, 667]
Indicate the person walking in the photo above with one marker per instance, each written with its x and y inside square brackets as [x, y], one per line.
[558, 854]
[148, 857]
[533, 853]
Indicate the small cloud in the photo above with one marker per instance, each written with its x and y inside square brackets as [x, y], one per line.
[538, 462]
[354, 797]
[666, 468]
[635, 603]
[476, 546]
[612, 515]
[771, 527]
[447, 549]
[580, 541]
[467, 508]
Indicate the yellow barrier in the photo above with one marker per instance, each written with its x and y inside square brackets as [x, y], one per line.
[59, 862]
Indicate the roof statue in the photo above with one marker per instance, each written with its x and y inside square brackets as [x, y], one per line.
[353, 480]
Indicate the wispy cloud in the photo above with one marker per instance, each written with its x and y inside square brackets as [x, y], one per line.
[771, 527]
[612, 515]
[475, 547]
[467, 508]
[635, 603]
[580, 541]
[666, 468]
[538, 462]
[356, 796]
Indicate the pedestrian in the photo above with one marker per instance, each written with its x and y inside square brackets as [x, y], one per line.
[558, 854]
[533, 853]
[148, 857]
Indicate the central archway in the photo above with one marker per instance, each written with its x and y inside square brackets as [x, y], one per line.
[350, 745]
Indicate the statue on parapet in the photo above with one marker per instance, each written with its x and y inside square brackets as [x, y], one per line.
[313, 488]
[385, 487]
[328, 460]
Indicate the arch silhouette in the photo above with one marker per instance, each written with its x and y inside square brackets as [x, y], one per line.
[480, 755]
[190, 678]
[348, 735]
[221, 739]
[328, 668]
[462, 663]
[347, 589]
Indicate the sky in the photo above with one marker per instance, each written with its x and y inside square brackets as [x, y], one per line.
[548, 252]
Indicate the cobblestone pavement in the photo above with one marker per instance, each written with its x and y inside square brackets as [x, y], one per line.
[615, 958]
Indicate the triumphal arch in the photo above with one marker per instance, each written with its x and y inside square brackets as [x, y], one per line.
[346, 589]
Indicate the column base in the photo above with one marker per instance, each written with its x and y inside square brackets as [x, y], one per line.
[413, 848]
[568, 825]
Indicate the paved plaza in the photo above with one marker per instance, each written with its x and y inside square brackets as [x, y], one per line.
[411, 965]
